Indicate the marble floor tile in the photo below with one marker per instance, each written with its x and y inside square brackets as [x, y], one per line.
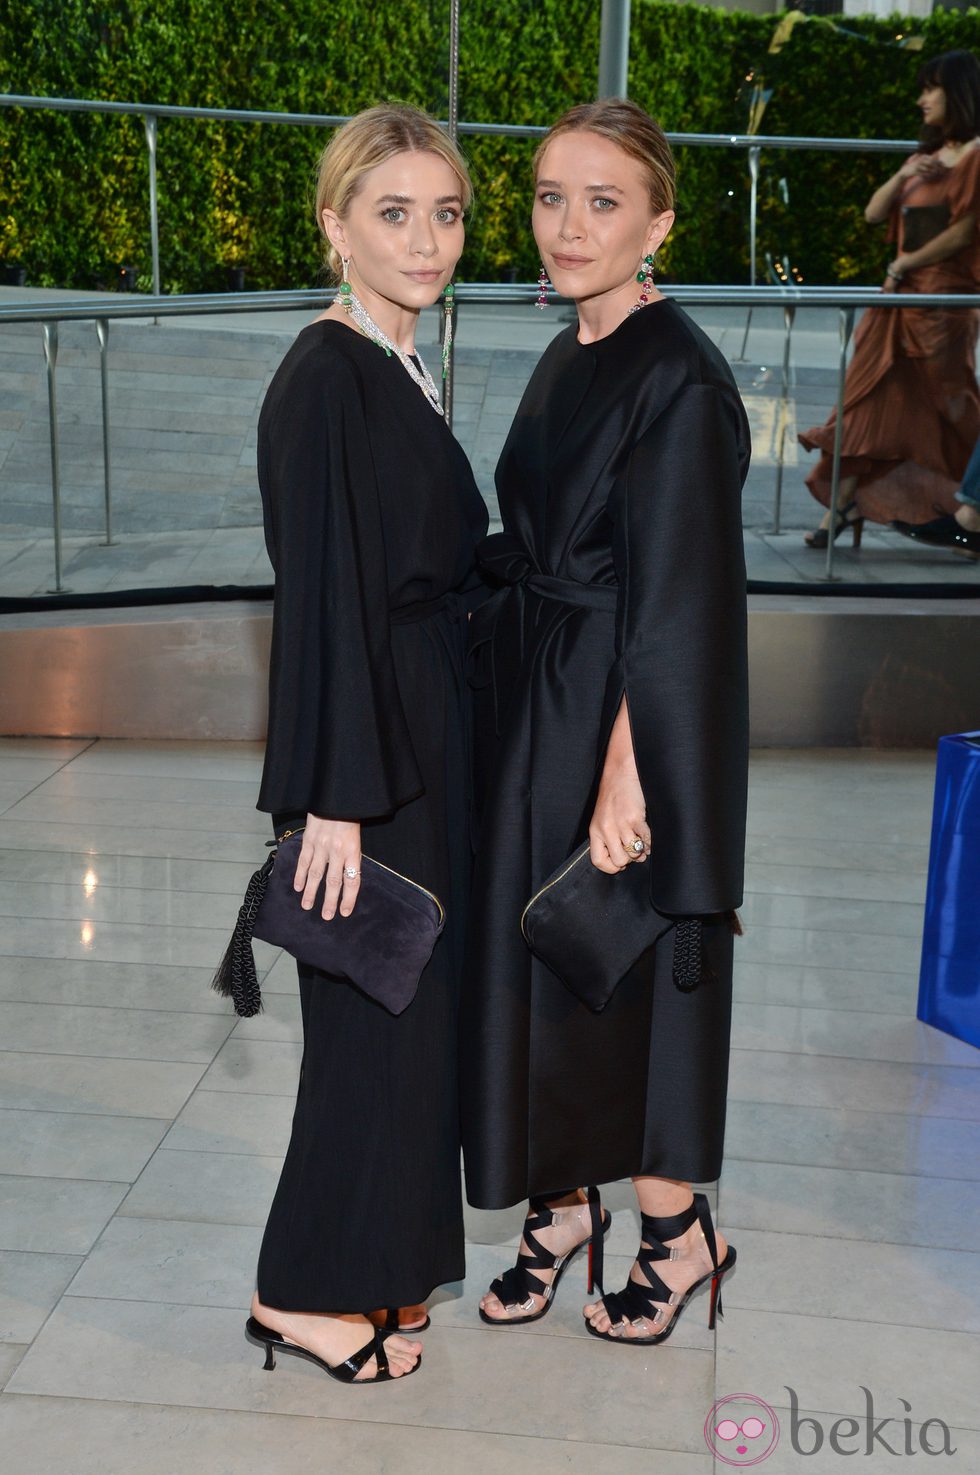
[42, 808]
[52, 1144]
[30, 1285]
[49, 749]
[263, 1066]
[148, 873]
[867, 1085]
[837, 882]
[819, 947]
[471, 1379]
[825, 988]
[170, 907]
[87, 982]
[840, 1137]
[116, 942]
[120, 1438]
[233, 1121]
[886, 1208]
[899, 1286]
[172, 1260]
[84, 1029]
[865, 1036]
[827, 1360]
[10, 1355]
[148, 1088]
[180, 760]
[78, 782]
[212, 1187]
[57, 1216]
[61, 834]
[840, 852]
[835, 914]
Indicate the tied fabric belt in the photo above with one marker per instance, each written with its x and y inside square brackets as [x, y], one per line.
[570, 591]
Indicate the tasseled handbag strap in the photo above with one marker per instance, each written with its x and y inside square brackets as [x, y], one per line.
[236, 976]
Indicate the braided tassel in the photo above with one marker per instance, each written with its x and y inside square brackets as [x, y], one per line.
[688, 960]
[235, 975]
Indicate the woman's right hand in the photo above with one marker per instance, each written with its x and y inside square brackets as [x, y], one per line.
[924, 166]
[331, 848]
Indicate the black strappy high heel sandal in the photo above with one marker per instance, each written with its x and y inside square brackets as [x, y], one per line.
[344, 1372]
[637, 1302]
[517, 1285]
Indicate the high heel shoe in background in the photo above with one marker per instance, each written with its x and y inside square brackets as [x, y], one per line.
[637, 1301]
[517, 1285]
[847, 517]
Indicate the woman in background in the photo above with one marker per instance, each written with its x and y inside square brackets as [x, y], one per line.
[911, 406]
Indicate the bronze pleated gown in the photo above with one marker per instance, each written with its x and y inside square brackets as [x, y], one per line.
[911, 404]
[620, 570]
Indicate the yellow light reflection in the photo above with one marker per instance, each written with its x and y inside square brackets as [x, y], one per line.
[88, 933]
[90, 882]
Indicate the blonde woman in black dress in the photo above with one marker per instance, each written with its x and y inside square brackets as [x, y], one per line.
[371, 518]
[613, 663]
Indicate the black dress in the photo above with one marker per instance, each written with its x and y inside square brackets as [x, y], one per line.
[623, 571]
[371, 517]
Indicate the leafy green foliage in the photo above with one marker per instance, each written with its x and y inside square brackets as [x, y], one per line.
[74, 196]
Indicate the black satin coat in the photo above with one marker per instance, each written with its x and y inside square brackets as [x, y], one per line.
[622, 571]
[372, 517]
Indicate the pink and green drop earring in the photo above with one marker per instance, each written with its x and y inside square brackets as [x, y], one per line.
[543, 285]
[345, 291]
[448, 303]
[645, 278]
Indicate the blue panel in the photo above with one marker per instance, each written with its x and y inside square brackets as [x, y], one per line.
[949, 981]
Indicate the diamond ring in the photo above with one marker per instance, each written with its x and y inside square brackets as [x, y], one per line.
[351, 872]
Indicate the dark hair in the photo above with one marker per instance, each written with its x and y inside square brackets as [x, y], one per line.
[633, 130]
[958, 74]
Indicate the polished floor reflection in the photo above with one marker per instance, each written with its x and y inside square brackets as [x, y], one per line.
[142, 1127]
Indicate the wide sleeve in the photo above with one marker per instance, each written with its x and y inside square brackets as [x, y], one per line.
[682, 646]
[338, 743]
[963, 194]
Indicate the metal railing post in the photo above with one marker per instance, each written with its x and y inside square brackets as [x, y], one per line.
[789, 315]
[102, 329]
[614, 48]
[845, 324]
[755, 153]
[449, 319]
[50, 335]
[150, 127]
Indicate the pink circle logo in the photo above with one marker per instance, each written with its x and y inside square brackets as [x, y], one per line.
[741, 1430]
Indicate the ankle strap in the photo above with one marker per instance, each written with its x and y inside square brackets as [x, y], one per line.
[669, 1227]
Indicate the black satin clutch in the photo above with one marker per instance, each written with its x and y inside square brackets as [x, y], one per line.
[382, 947]
[590, 928]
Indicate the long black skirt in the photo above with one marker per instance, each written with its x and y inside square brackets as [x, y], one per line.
[368, 1211]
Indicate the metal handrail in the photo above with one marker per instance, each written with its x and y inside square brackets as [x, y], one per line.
[846, 299]
[151, 113]
[500, 130]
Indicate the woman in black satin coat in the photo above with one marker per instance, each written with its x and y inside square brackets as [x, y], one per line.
[611, 686]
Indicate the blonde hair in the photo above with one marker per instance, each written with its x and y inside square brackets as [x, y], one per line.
[369, 139]
[631, 129]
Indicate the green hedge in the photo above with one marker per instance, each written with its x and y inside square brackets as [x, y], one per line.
[73, 189]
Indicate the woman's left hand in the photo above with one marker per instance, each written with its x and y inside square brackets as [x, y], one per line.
[619, 819]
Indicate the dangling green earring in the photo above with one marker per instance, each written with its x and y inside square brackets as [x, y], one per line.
[645, 278]
[448, 303]
[345, 290]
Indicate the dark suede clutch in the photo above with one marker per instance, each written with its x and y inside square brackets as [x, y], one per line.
[382, 947]
[590, 928]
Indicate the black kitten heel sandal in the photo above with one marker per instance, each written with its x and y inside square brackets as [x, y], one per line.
[637, 1301]
[517, 1285]
[344, 1372]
